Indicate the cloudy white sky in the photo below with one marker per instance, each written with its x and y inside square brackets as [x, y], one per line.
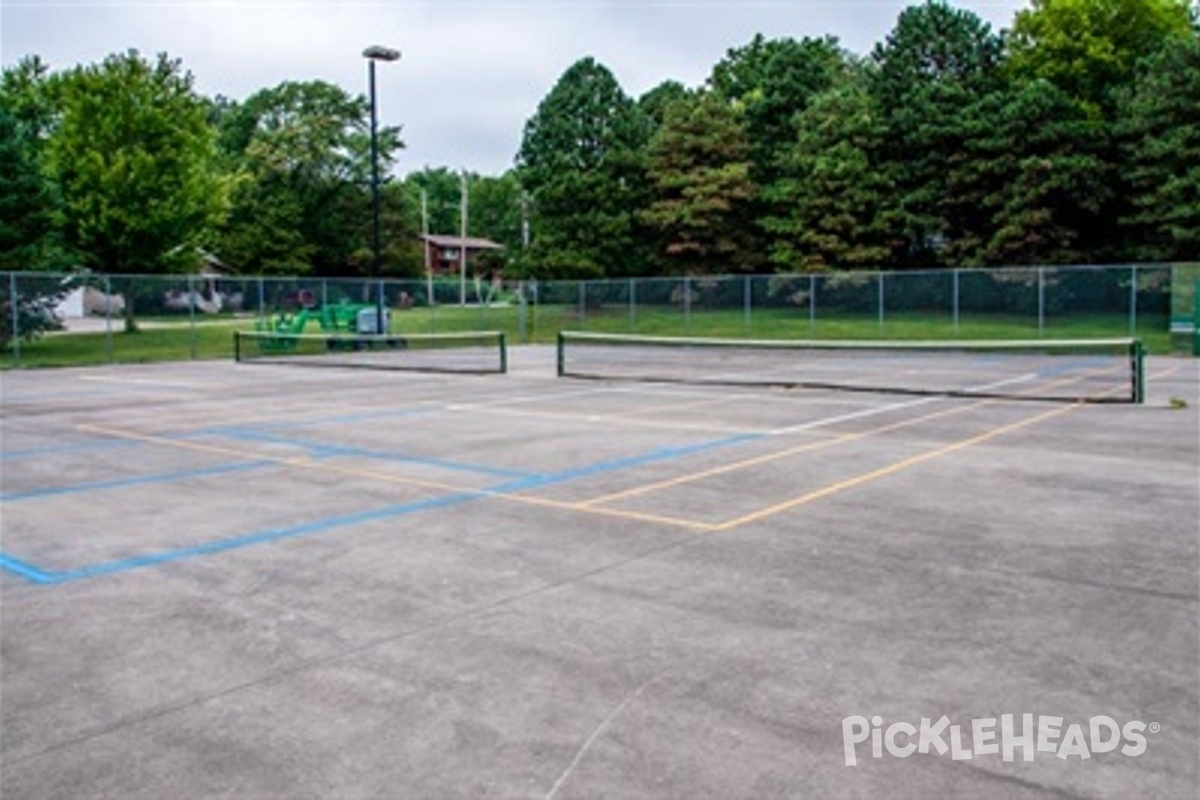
[472, 72]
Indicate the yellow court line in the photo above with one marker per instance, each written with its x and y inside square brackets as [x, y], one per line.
[890, 469]
[839, 439]
[858, 480]
[235, 417]
[302, 462]
[307, 464]
[779, 454]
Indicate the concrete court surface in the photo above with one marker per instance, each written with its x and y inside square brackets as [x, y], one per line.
[245, 581]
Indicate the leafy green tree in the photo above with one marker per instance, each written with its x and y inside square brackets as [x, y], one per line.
[301, 156]
[495, 210]
[773, 80]
[700, 168]
[29, 204]
[654, 103]
[133, 156]
[936, 61]
[582, 160]
[1160, 133]
[830, 196]
[1091, 48]
[1036, 178]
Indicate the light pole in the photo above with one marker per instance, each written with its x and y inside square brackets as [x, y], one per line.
[372, 54]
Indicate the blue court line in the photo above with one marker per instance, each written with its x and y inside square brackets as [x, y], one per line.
[222, 545]
[365, 416]
[141, 480]
[321, 450]
[82, 447]
[38, 575]
[26, 571]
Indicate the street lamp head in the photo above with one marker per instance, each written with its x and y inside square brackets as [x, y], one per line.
[380, 53]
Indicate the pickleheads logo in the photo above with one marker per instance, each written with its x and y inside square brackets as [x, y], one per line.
[1046, 735]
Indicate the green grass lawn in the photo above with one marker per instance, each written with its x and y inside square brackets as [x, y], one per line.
[160, 340]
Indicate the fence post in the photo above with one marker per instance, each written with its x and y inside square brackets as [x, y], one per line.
[191, 285]
[687, 306]
[880, 302]
[1041, 289]
[746, 301]
[956, 296]
[108, 330]
[15, 310]
[633, 305]
[583, 304]
[1133, 294]
[812, 303]
[262, 299]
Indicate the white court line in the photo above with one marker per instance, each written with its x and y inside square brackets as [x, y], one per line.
[141, 381]
[870, 412]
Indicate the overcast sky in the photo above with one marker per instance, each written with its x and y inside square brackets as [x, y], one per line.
[472, 72]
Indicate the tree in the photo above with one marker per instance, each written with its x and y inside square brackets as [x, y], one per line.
[773, 80]
[301, 154]
[700, 168]
[936, 62]
[1160, 133]
[134, 157]
[1091, 48]
[29, 234]
[581, 158]
[1037, 176]
[654, 103]
[830, 195]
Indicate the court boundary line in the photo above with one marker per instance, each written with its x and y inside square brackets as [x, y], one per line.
[509, 492]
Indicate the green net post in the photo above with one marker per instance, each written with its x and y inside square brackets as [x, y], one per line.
[562, 363]
[503, 354]
[1138, 355]
[1196, 321]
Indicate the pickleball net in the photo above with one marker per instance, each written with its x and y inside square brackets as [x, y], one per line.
[475, 352]
[1073, 370]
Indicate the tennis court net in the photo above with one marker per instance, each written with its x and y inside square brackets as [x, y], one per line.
[1089, 370]
[474, 352]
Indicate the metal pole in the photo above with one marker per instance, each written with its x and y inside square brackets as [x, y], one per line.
[632, 305]
[687, 306]
[426, 248]
[192, 314]
[462, 253]
[108, 331]
[1133, 293]
[746, 305]
[881, 302]
[15, 309]
[375, 238]
[956, 299]
[812, 302]
[1041, 289]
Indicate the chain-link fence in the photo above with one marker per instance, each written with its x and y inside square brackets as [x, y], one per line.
[54, 319]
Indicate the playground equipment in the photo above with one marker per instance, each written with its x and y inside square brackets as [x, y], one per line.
[343, 319]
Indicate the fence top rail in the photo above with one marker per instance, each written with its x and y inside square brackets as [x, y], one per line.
[235, 277]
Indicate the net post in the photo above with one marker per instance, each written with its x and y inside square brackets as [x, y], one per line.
[237, 346]
[1196, 320]
[503, 354]
[562, 362]
[1137, 354]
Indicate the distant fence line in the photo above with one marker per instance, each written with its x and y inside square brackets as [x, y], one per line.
[1086, 300]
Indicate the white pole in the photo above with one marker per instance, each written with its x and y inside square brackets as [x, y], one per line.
[462, 252]
[425, 246]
